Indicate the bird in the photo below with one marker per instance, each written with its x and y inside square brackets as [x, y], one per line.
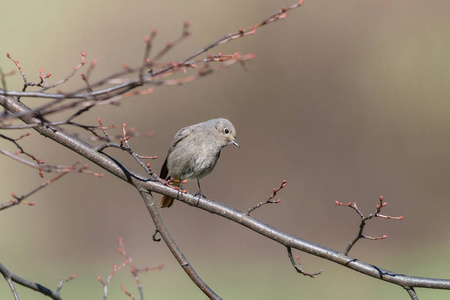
[194, 152]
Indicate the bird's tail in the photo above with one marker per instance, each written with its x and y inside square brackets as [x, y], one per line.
[167, 201]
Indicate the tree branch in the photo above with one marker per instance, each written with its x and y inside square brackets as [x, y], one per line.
[182, 260]
[86, 97]
[144, 183]
[31, 285]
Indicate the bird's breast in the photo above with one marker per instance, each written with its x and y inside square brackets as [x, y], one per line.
[193, 163]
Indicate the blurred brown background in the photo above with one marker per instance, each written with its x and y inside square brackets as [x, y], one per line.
[346, 100]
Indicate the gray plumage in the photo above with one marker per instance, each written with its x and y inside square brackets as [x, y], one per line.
[195, 150]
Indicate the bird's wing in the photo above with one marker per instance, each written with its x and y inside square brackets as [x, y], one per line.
[179, 136]
[164, 171]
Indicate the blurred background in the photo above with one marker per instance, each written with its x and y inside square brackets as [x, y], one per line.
[346, 100]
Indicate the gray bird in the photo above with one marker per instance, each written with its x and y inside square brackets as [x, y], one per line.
[194, 152]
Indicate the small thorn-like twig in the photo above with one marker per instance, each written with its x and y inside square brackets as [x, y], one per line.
[86, 81]
[104, 130]
[298, 266]
[155, 239]
[147, 63]
[91, 68]
[74, 70]
[3, 77]
[126, 292]
[170, 45]
[62, 281]
[269, 200]
[26, 83]
[43, 77]
[364, 219]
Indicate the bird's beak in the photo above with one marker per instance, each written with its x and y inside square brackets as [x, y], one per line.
[235, 143]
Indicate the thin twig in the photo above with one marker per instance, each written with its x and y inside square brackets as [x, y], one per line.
[21, 199]
[134, 270]
[298, 266]
[3, 77]
[363, 222]
[10, 277]
[71, 74]
[22, 151]
[62, 281]
[269, 200]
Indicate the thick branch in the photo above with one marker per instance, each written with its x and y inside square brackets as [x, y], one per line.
[31, 285]
[182, 260]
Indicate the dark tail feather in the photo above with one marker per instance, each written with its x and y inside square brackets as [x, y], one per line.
[166, 201]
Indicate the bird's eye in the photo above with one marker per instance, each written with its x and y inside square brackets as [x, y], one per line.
[226, 131]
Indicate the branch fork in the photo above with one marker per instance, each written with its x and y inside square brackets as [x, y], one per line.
[362, 225]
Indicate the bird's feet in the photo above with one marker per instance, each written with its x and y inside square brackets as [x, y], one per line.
[200, 195]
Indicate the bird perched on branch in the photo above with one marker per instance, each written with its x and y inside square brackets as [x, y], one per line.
[194, 152]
